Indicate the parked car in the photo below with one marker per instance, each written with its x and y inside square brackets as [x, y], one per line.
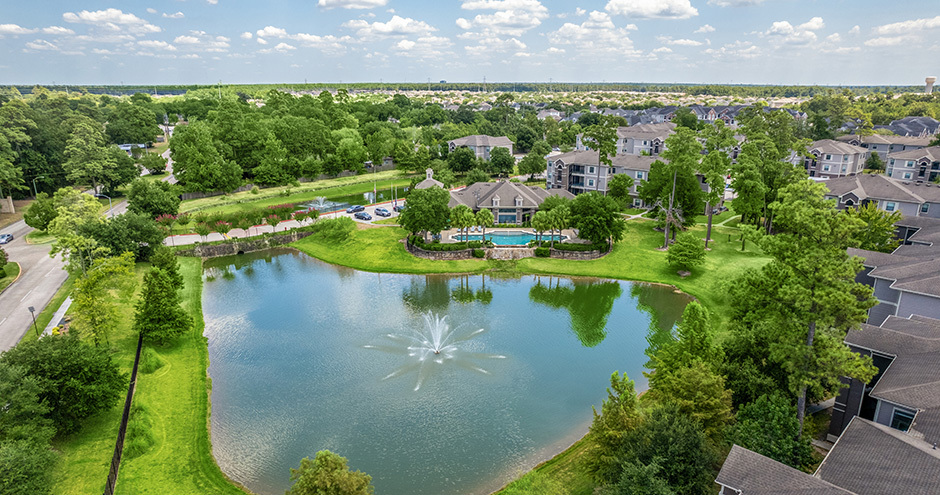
[399, 208]
[363, 216]
[382, 212]
[355, 208]
[5, 238]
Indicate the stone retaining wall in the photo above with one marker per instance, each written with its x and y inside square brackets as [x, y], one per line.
[241, 246]
[576, 255]
[463, 254]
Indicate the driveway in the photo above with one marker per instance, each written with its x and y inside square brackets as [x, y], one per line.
[40, 278]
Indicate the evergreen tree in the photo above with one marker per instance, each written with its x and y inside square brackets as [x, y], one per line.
[164, 258]
[159, 316]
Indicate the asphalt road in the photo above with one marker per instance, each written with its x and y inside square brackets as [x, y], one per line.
[40, 278]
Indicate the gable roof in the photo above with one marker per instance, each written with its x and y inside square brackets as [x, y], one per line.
[874, 186]
[932, 153]
[647, 131]
[873, 459]
[592, 158]
[750, 473]
[481, 194]
[482, 140]
[835, 147]
[886, 139]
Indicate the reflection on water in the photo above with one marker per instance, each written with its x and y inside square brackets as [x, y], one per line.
[588, 301]
[305, 356]
[658, 301]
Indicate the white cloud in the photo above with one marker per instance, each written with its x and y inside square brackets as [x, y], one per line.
[112, 20]
[663, 9]
[814, 24]
[212, 2]
[262, 41]
[888, 41]
[663, 49]
[855, 29]
[151, 10]
[160, 45]
[597, 35]
[705, 29]
[177, 15]
[426, 47]
[495, 45]
[190, 56]
[57, 30]
[15, 29]
[396, 26]
[201, 41]
[908, 26]
[680, 42]
[329, 44]
[734, 51]
[784, 32]
[556, 51]
[511, 17]
[272, 32]
[41, 45]
[351, 4]
[246, 35]
[284, 47]
[734, 3]
[186, 40]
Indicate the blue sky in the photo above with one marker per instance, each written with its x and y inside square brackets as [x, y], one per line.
[834, 42]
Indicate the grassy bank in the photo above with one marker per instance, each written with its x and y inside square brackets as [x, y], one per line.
[307, 191]
[8, 274]
[176, 397]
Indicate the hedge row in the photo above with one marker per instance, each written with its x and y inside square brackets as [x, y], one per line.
[566, 246]
[418, 241]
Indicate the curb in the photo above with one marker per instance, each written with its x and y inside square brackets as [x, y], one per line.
[18, 275]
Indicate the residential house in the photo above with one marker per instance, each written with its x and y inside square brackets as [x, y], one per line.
[912, 199]
[481, 145]
[581, 171]
[748, 473]
[883, 145]
[429, 181]
[829, 158]
[919, 164]
[510, 202]
[642, 139]
[913, 126]
[550, 113]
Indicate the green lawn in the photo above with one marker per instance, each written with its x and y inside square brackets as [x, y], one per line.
[176, 395]
[387, 221]
[39, 237]
[8, 274]
[305, 192]
[565, 468]
[716, 219]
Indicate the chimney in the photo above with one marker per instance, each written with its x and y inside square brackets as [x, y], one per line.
[930, 80]
[429, 172]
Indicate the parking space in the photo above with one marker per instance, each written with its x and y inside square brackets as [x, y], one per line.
[370, 211]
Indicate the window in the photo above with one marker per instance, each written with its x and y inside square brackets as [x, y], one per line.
[644, 143]
[639, 175]
[910, 163]
[901, 419]
[590, 182]
[826, 167]
[843, 169]
[828, 157]
[924, 208]
[845, 158]
[889, 206]
[907, 175]
[518, 201]
[892, 162]
[590, 170]
[496, 201]
[849, 202]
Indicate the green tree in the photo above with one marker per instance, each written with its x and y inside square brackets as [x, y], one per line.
[769, 427]
[461, 159]
[130, 232]
[596, 218]
[328, 474]
[159, 316]
[748, 185]
[132, 124]
[427, 211]
[558, 219]
[874, 162]
[699, 393]
[639, 479]
[40, 212]
[23, 417]
[501, 161]
[687, 252]
[154, 163]
[618, 187]
[86, 153]
[153, 198]
[198, 164]
[461, 217]
[877, 232]
[715, 167]
[477, 175]
[672, 186]
[694, 341]
[3, 260]
[484, 218]
[25, 468]
[534, 163]
[165, 259]
[808, 290]
[77, 380]
[611, 428]
[540, 223]
[602, 137]
[94, 308]
[554, 201]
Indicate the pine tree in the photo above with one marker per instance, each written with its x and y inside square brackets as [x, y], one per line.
[159, 316]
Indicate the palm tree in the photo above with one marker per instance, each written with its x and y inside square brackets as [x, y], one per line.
[484, 218]
[560, 217]
[541, 223]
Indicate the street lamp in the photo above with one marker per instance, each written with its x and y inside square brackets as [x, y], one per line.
[110, 208]
[32, 311]
[34, 185]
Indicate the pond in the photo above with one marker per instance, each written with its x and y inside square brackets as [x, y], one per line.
[307, 356]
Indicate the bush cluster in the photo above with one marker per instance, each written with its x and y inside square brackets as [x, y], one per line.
[542, 252]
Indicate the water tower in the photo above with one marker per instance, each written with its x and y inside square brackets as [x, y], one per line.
[930, 80]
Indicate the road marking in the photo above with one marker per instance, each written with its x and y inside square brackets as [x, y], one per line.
[27, 294]
[3, 320]
[50, 271]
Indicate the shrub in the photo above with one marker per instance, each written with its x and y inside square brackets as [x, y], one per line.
[479, 253]
[150, 361]
[139, 437]
[542, 252]
[255, 190]
[334, 229]
[687, 252]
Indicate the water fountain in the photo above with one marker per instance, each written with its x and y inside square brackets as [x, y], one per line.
[435, 344]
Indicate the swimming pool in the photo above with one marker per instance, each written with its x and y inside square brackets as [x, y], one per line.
[508, 238]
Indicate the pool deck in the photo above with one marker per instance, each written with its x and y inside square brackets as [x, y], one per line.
[446, 234]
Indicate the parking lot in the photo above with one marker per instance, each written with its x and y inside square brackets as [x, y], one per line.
[370, 210]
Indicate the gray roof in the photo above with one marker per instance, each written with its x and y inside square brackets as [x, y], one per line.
[932, 153]
[592, 158]
[928, 230]
[872, 186]
[429, 183]
[873, 459]
[920, 275]
[836, 148]
[482, 140]
[912, 126]
[885, 139]
[482, 193]
[753, 474]
[647, 131]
